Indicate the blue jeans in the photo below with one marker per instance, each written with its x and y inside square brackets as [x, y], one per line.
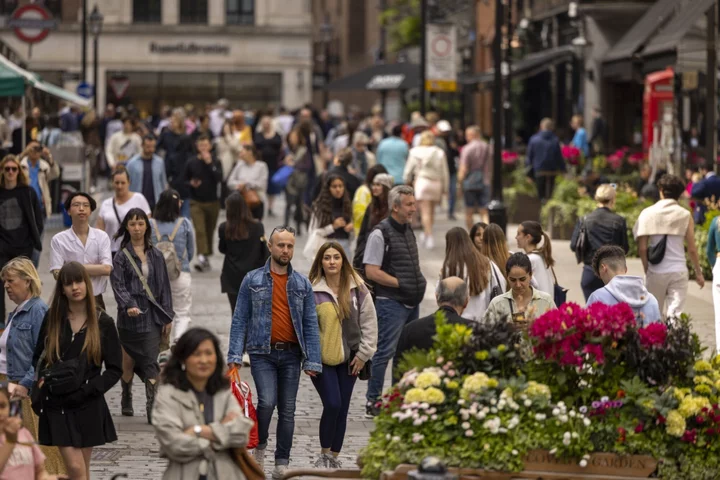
[452, 194]
[185, 208]
[392, 317]
[277, 378]
[589, 282]
[335, 386]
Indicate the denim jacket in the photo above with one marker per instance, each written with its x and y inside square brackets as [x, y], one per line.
[24, 332]
[184, 240]
[135, 171]
[252, 319]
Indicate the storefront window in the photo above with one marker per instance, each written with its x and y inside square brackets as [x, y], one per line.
[147, 11]
[193, 11]
[252, 90]
[240, 12]
[7, 7]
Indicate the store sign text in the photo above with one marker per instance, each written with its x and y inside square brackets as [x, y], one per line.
[183, 48]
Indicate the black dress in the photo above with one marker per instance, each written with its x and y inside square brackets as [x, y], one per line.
[81, 419]
[241, 257]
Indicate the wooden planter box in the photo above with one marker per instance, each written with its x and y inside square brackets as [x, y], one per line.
[559, 231]
[526, 208]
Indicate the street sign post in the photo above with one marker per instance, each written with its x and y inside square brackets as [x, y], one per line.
[32, 23]
[119, 86]
[85, 90]
[441, 64]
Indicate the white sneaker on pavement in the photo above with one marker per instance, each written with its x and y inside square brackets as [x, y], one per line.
[429, 243]
[422, 238]
[279, 471]
[259, 455]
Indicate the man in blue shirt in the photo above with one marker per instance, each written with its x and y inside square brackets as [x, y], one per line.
[392, 153]
[706, 189]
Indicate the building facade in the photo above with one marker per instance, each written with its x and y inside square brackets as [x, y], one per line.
[152, 53]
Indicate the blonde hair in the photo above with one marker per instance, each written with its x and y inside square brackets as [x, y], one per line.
[24, 269]
[605, 194]
[427, 138]
[22, 178]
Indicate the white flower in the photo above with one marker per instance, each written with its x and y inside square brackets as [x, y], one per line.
[481, 415]
[556, 412]
[572, 414]
[433, 417]
[502, 430]
[575, 435]
[514, 452]
[464, 414]
[395, 438]
[424, 405]
[486, 446]
[469, 433]
[432, 410]
[566, 441]
[492, 424]
[566, 435]
[388, 437]
[461, 402]
[527, 402]
[586, 422]
[493, 410]
[417, 422]
[415, 415]
[501, 404]
[540, 417]
[553, 451]
[493, 401]
[604, 399]
[583, 463]
[465, 425]
[563, 418]
[417, 437]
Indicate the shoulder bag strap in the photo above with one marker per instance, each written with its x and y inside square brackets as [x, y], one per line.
[512, 311]
[177, 227]
[494, 275]
[140, 275]
[554, 276]
[117, 215]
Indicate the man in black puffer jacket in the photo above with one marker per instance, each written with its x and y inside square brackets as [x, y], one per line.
[393, 265]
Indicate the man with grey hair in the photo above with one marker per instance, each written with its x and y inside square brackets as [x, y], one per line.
[392, 264]
[452, 297]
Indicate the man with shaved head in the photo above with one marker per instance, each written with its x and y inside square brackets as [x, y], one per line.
[452, 297]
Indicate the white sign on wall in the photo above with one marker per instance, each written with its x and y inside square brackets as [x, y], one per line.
[441, 65]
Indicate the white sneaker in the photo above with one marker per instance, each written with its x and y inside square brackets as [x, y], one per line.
[259, 455]
[279, 472]
[429, 243]
[422, 238]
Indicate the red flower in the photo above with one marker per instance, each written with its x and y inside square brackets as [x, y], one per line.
[621, 394]
[653, 335]
[622, 434]
[711, 431]
[509, 158]
[690, 436]
[639, 428]
[700, 419]
[661, 420]
[571, 154]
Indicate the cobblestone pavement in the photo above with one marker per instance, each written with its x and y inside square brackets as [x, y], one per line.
[136, 451]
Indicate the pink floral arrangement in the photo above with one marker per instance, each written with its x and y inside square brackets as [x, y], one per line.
[571, 334]
[636, 158]
[571, 154]
[509, 158]
[653, 336]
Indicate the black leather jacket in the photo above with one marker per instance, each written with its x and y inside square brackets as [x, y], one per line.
[603, 227]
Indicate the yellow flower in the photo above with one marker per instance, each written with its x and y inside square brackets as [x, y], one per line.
[492, 383]
[501, 348]
[433, 396]
[453, 420]
[482, 355]
[675, 424]
[648, 404]
[690, 406]
[427, 379]
[702, 366]
[716, 361]
[537, 390]
[475, 383]
[702, 379]
[452, 385]
[703, 390]
[415, 395]
[717, 384]
[680, 393]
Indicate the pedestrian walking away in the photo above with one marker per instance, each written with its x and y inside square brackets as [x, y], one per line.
[609, 265]
[529, 237]
[474, 175]
[146, 172]
[392, 153]
[84, 244]
[204, 174]
[145, 311]
[427, 170]
[113, 210]
[197, 420]
[348, 340]
[174, 236]
[393, 265]
[250, 177]
[300, 158]
[331, 217]
[662, 231]
[21, 221]
[599, 228]
[17, 345]
[544, 160]
[275, 321]
[712, 250]
[494, 246]
[484, 279]
[178, 152]
[243, 242]
[74, 329]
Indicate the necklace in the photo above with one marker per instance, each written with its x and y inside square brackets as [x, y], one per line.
[202, 407]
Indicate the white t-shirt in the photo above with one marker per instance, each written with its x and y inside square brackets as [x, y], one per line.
[674, 259]
[542, 276]
[67, 247]
[112, 225]
[4, 339]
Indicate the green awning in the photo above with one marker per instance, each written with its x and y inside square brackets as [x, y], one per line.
[13, 80]
[12, 84]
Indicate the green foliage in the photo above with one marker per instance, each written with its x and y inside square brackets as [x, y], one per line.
[519, 186]
[563, 204]
[701, 238]
[402, 21]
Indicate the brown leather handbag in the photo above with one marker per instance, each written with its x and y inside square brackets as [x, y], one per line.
[248, 466]
[251, 197]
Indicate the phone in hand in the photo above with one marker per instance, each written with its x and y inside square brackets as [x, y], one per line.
[15, 408]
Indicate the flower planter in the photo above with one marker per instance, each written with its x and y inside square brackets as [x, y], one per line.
[525, 208]
[559, 230]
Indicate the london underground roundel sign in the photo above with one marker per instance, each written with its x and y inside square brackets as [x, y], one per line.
[32, 23]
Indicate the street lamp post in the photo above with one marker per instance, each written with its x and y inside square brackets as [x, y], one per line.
[327, 35]
[96, 23]
[83, 47]
[496, 209]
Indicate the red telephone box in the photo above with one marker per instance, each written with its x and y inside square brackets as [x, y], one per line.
[659, 95]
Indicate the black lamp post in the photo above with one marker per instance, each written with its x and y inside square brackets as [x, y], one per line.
[327, 35]
[96, 23]
[496, 209]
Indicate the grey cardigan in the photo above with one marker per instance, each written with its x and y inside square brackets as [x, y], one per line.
[175, 411]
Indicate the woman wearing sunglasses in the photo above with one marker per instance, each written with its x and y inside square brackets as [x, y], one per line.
[21, 219]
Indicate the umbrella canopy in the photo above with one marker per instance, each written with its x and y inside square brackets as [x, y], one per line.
[12, 84]
[386, 76]
[13, 80]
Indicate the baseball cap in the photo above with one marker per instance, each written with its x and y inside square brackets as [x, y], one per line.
[443, 126]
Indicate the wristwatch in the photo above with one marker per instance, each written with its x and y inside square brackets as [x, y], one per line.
[198, 430]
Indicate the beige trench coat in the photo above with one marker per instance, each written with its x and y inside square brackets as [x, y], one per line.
[174, 412]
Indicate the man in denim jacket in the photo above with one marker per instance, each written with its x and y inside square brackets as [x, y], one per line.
[276, 322]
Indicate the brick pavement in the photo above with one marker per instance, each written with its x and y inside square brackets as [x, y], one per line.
[136, 451]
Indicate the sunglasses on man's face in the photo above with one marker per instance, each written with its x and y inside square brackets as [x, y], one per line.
[11, 169]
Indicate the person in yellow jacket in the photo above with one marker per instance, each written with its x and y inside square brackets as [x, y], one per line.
[363, 196]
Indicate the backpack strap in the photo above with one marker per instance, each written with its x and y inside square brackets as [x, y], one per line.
[177, 227]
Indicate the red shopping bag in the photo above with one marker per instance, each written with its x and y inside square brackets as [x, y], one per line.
[243, 394]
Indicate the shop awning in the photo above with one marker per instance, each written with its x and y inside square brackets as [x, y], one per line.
[13, 80]
[669, 38]
[528, 66]
[387, 76]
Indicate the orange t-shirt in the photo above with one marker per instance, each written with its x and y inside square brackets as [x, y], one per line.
[282, 326]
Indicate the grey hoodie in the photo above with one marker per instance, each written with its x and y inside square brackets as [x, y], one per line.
[631, 290]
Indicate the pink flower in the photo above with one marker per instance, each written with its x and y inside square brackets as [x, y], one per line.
[614, 161]
[636, 158]
[509, 158]
[571, 154]
[653, 335]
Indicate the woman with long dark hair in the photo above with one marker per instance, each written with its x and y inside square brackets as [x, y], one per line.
[81, 338]
[242, 240]
[269, 143]
[476, 234]
[363, 196]
[331, 217]
[374, 213]
[348, 340]
[463, 260]
[142, 290]
[197, 420]
[533, 240]
[169, 226]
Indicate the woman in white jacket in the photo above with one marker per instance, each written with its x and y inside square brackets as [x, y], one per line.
[250, 174]
[427, 170]
[331, 217]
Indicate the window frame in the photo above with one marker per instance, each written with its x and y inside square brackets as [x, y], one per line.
[240, 13]
[147, 10]
[191, 17]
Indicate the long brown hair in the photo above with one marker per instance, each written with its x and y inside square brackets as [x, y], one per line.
[536, 232]
[379, 207]
[494, 246]
[462, 260]
[347, 273]
[239, 218]
[22, 178]
[59, 308]
[323, 207]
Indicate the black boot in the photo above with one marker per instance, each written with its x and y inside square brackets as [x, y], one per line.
[150, 390]
[126, 399]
